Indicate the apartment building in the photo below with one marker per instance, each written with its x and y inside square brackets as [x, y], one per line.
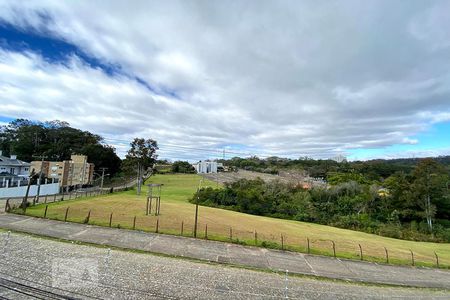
[76, 171]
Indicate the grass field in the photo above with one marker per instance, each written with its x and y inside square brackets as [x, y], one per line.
[175, 210]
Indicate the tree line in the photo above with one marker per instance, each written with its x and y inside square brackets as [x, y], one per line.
[377, 169]
[410, 205]
[57, 140]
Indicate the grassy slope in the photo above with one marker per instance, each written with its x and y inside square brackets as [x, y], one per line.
[175, 209]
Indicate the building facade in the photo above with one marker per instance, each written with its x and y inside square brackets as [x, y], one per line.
[76, 171]
[205, 167]
[13, 172]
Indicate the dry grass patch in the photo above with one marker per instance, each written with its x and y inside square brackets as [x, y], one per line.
[175, 210]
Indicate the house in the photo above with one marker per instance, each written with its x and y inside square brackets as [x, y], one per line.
[207, 166]
[13, 171]
[76, 171]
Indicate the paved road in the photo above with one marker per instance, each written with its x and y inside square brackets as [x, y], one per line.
[50, 269]
[231, 253]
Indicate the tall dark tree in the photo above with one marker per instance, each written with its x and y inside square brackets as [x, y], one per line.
[56, 140]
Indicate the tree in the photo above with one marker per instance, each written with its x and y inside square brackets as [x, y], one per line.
[103, 156]
[58, 141]
[182, 167]
[142, 151]
[429, 188]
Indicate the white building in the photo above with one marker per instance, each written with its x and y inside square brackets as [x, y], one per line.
[13, 166]
[340, 158]
[206, 166]
[13, 172]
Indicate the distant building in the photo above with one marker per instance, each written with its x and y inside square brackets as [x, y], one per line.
[76, 171]
[207, 166]
[13, 171]
[339, 158]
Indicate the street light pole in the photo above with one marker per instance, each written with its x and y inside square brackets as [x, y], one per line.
[103, 176]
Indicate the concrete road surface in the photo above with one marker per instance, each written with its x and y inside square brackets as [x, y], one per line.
[35, 267]
[227, 253]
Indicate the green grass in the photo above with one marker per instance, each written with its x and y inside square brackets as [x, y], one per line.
[176, 209]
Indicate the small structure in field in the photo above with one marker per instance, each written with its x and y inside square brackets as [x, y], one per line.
[154, 192]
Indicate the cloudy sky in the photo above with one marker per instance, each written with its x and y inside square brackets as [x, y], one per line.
[290, 78]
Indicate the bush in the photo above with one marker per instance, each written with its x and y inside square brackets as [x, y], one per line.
[390, 230]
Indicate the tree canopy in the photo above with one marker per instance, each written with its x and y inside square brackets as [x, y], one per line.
[56, 140]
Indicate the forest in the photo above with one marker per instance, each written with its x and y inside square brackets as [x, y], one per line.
[409, 204]
[57, 140]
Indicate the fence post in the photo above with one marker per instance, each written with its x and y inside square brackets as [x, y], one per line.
[88, 217]
[7, 206]
[282, 242]
[67, 212]
[182, 227]
[360, 252]
[157, 225]
[412, 257]
[45, 199]
[334, 249]
[134, 223]
[437, 259]
[206, 231]
[231, 233]
[110, 219]
[309, 249]
[256, 238]
[387, 255]
[45, 211]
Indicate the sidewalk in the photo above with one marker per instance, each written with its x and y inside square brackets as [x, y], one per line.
[231, 253]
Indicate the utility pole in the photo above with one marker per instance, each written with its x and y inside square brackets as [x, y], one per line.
[139, 178]
[42, 157]
[103, 176]
[196, 208]
[25, 199]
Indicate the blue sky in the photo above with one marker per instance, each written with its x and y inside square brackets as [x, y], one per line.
[433, 142]
[291, 79]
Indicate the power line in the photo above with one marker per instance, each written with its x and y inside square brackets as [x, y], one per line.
[218, 151]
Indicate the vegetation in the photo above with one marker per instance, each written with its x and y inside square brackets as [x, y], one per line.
[142, 154]
[411, 206]
[183, 167]
[378, 169]
[56, 140]
[175, 209]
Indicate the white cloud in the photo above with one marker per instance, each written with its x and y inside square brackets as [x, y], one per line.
[283, 78]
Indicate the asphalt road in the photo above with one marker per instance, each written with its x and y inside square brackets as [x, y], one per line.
[36, 267]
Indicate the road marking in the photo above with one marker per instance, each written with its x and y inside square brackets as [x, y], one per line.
[307, 262]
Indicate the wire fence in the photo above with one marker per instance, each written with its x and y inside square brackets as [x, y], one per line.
[252, 237]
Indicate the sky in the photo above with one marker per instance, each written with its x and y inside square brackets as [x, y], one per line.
[363, 79]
